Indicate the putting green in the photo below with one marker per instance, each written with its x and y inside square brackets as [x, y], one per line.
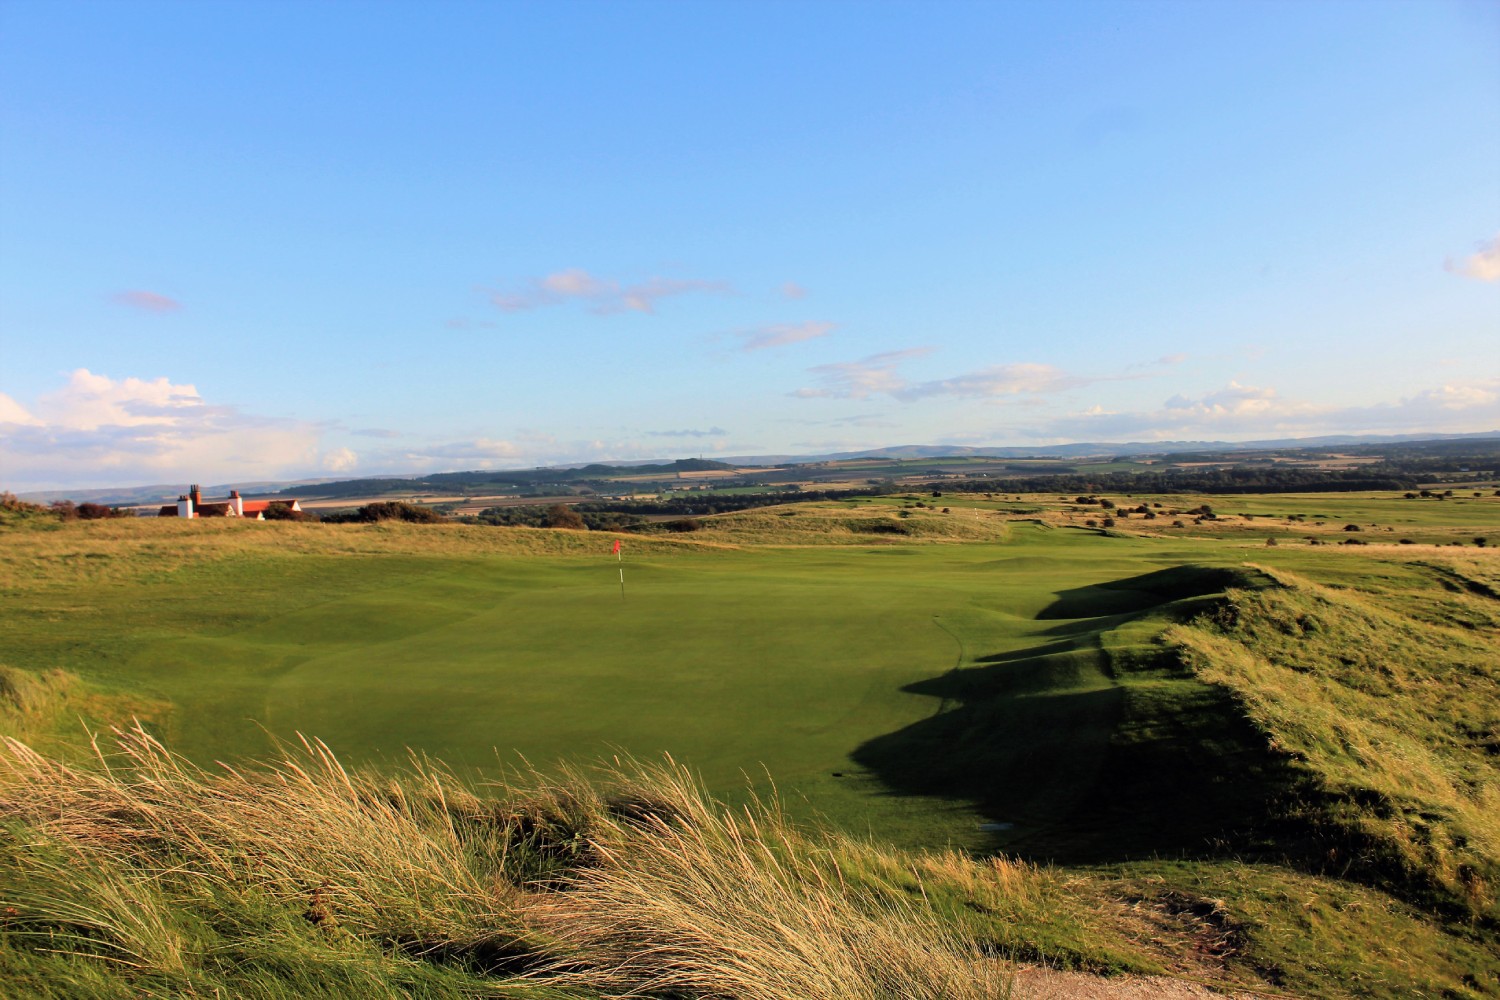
[779, 662]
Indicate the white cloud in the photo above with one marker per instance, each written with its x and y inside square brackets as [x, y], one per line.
[339, 460]
[780, 334]
[1483, 264]
[90, 401]
[602, 295]
[96, 430]
[12, 412]
[792, 290]
[1458, 397]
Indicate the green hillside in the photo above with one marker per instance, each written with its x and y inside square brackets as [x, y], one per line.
[1188, 751]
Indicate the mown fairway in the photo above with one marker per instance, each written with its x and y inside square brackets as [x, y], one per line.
[755, 661]
[829, 668]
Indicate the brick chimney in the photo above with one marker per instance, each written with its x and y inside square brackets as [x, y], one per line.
[236, 503]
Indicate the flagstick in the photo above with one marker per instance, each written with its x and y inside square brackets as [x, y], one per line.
[622, 581]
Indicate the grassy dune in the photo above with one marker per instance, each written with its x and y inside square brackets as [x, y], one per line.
[1390, 710]
[1149, 748]
[147, 876]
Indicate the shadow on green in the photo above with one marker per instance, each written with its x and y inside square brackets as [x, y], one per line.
[1086, 749]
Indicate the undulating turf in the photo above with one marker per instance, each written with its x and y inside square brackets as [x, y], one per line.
[997, 677]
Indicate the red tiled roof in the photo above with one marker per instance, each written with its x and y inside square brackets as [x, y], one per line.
[258, 506]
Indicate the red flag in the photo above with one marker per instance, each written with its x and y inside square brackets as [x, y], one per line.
[616, 550]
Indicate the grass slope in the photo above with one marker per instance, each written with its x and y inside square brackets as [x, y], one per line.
[1198, 752]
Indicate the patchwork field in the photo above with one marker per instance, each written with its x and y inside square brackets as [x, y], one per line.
[996, 676]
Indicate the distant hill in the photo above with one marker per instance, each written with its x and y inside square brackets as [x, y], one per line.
[563, 476]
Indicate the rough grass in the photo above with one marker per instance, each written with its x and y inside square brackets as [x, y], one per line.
[146, 872]
[822, 524]
[1374, 666]
[1394, 719]
[43, 708]
[128, 550]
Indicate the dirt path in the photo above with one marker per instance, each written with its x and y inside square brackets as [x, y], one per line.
[1046, 984]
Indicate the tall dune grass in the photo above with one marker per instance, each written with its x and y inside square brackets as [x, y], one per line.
[686, 898]
[649, 888]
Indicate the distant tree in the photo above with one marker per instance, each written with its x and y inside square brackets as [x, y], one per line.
[1108, 522]
[64, 510]
[562, 516]
[1352, 527]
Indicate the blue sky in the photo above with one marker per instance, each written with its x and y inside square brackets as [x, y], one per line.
[274, 240]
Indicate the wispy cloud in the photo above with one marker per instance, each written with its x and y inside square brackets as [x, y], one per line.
[711, 432]
[792, 290]
[481, 450]
[866, 420]
[601, 295]
[879, 375]
[377, 432]
[1483, 264]
[781, 334]
[997, 380]
[862, 379]
[147, 301]
[1239, 411]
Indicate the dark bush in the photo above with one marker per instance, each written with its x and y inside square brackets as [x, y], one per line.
[562, 516]
[285, 512]
[386, 510]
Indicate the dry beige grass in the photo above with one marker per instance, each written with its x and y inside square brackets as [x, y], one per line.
[688, 898]
[133, 549]
[873, 524]
[660, 890]
[379, 860]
